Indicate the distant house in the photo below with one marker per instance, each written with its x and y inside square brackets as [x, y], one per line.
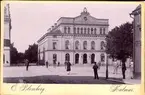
[7, 35]
[136, 15]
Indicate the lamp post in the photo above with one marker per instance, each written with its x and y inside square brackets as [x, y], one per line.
[107, 67]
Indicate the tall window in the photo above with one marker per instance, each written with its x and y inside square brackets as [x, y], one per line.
[66, 44]
[81, 30]
[68, 29]
[85, 44]
[101, 31]
[102, 45]
[74, 30]
[67, 57]
[102, 57]
[84, 30]
[54, 58]
[91, 30]
[64, 29]
[78, 30]
[88, 30]
[92, 45]
[77, 45]
[95, 30]
[54, 45]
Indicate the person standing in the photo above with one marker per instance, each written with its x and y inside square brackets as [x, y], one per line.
[95, 68]
[116, 65]
[46, 64]
[131, 68]
[58, 63]
[68, 67]
[123, 68]
[27, 64]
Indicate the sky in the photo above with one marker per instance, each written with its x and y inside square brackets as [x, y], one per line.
[30, 21]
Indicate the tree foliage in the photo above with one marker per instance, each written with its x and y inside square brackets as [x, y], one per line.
[13, 54]
[31, 53]
[120, 42]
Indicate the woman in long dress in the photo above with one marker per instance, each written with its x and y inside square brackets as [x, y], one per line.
[68, 67]
[131, 69]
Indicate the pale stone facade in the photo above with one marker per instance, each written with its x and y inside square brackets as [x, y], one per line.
[7, 36]
[137, 39]
[80, 40]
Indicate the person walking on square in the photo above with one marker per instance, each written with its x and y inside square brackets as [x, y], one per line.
[27, 64]
[95, 68]
[68, 67]
[131, 68]
[58, 63]
[116, 65]
[46, 64]
[123, 68]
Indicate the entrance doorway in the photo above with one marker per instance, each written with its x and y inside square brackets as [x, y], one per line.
[85, 59]
[77, 58]
[92, 58]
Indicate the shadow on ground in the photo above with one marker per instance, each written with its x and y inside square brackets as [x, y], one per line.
[55, 79]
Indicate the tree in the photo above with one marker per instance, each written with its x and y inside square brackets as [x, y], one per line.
[120, 42]
[31, 53]
[20, 57]
[13, 54]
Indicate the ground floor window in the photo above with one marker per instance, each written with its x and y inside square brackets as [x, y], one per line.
[85, 59]
[77, 58]
[102, 57]
[67, 57]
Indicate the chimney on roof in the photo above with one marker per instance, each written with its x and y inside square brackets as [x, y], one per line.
[55, 24]
[52, 27]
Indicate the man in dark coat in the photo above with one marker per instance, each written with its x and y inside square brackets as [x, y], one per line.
[95, 68]
[46, 64]
[123, 68]
[68, 67]
[27, 64]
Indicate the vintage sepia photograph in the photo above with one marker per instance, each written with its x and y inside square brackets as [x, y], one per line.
[72, 43]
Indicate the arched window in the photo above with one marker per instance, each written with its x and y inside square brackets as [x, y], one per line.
[102, 45]
[101, 31]
[77, 45]
[88, 30]
[85, 44]
[66, 44]
[68, 29]
[84, 30]
[78, 30]
[102, 57]
[81, 30]
[92, 45]
[64, 29]
[91, 30]
[67, 57]
[74, 30]
[95, 30]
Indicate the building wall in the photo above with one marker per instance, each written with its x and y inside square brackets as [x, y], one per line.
[137, 19]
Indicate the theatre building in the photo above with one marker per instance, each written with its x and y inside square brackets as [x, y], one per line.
[7, 35]
[80, 40]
